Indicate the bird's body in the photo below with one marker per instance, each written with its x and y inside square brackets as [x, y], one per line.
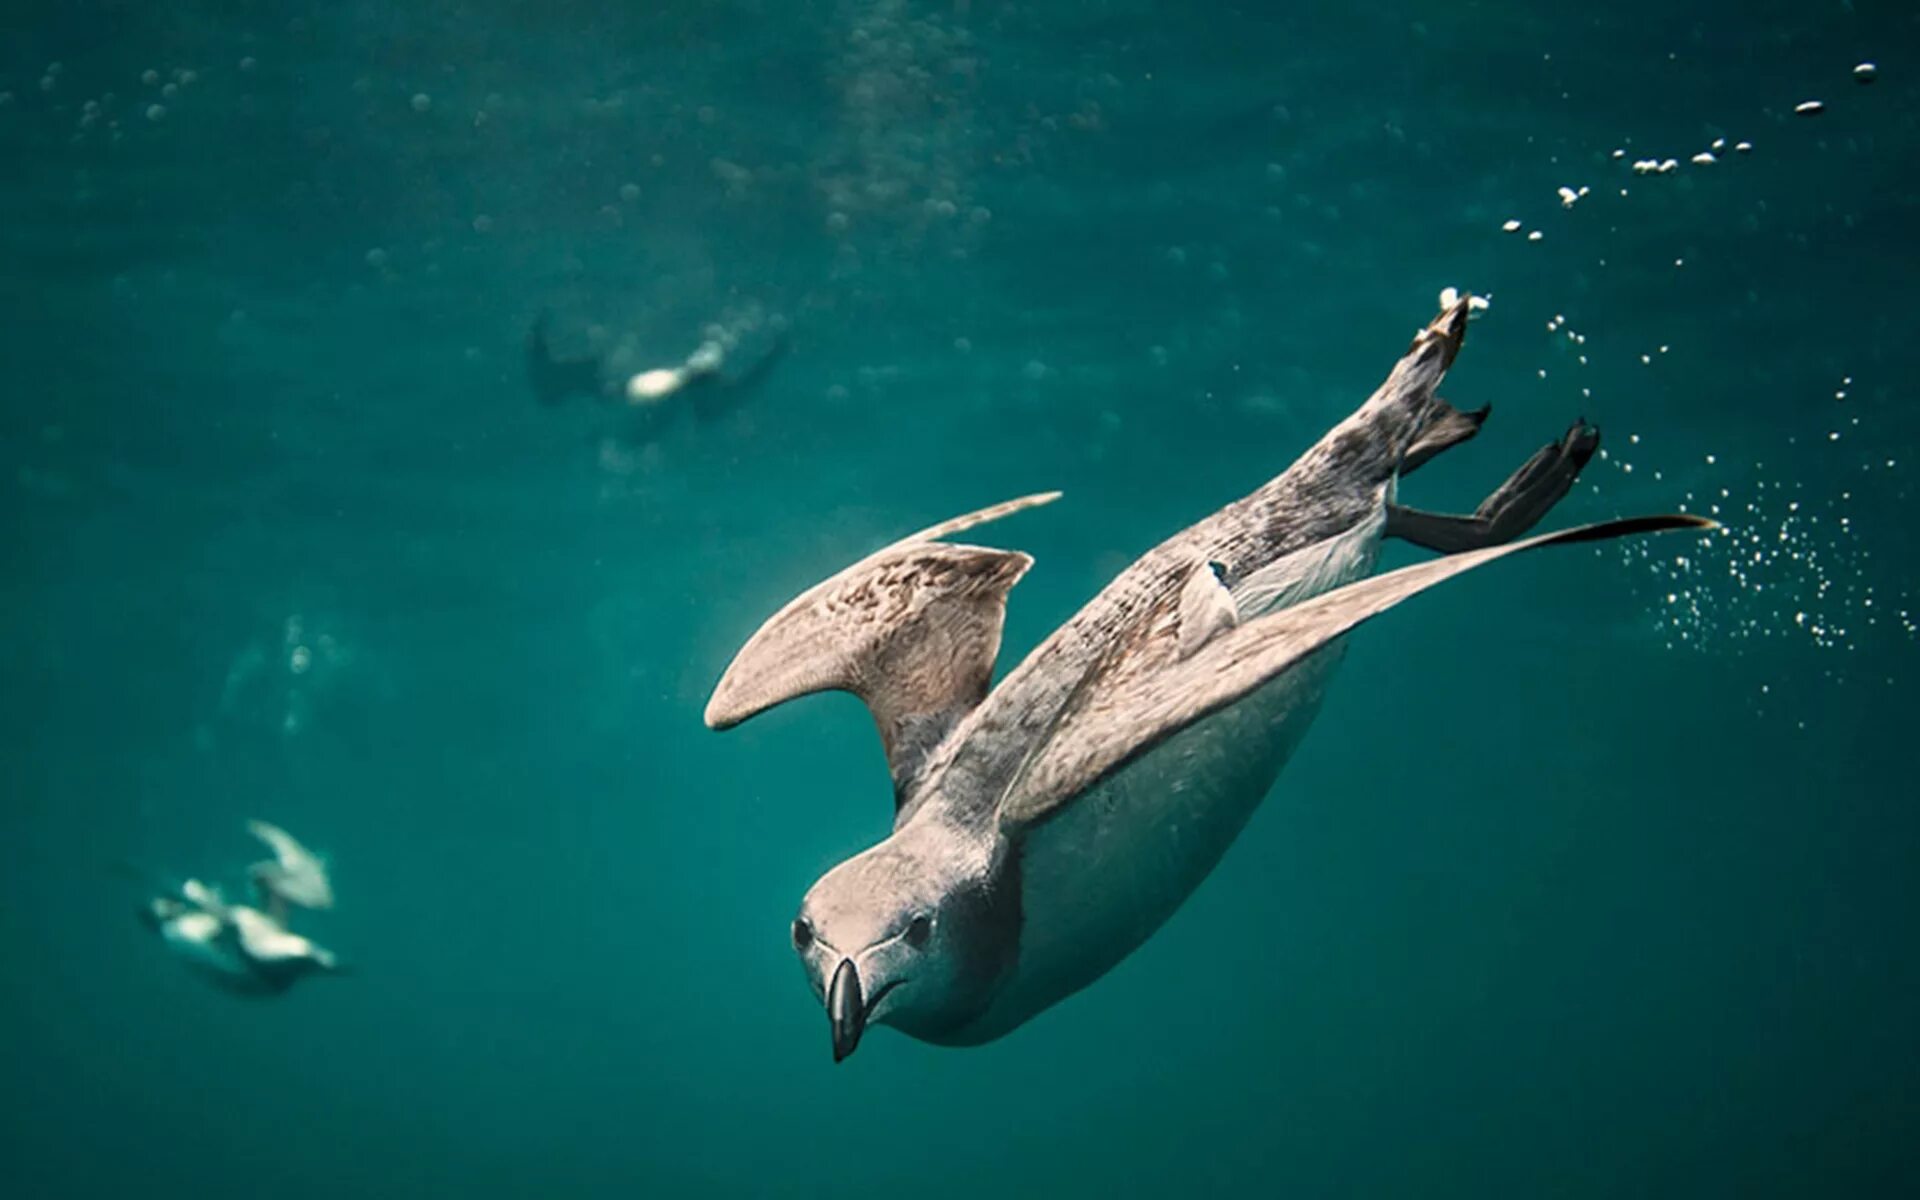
[199, 939]
[240, 948]
[1141, 842]
[1047, 827]
[233, 946]
[1098, 879]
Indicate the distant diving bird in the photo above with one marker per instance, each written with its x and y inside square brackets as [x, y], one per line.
[709, 382]
[1045, 829]
[242, 949]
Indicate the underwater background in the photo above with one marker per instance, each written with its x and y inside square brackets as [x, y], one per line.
[1596, 877]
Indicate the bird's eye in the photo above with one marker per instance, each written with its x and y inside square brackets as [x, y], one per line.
[802, 934]
[918, 931]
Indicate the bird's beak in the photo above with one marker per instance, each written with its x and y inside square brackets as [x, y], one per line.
[846, 1009]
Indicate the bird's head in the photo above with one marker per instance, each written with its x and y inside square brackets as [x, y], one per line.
[910, 933]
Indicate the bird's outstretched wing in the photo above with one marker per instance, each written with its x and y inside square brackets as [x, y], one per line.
[911, 629]
[1115, 729]
[295, 876]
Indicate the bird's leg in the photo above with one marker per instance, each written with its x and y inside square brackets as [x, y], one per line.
[1515, 507]
[1446, 428]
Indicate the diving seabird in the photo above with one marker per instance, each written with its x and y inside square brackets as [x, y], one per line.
[237, 948]
[1045, 829]
[710, 382]
[241, 948]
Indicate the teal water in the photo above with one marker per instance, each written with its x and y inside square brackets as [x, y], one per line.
[1595, 878]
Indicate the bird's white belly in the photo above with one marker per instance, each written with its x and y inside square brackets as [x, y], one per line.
[196, 937]
[1099, 879]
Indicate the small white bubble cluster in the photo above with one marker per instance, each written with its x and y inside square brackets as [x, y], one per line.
[1789, 565]
[1575, 342]
[1667, 166]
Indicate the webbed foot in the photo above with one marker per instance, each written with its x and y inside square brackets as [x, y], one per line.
[1515, 506]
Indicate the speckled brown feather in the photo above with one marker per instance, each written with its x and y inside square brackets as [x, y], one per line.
[1130, 631]
[1135, 713]
[911, 629]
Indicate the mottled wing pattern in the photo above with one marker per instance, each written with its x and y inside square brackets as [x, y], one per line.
[912, 630]
[1131, 632]
[1112, 729]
